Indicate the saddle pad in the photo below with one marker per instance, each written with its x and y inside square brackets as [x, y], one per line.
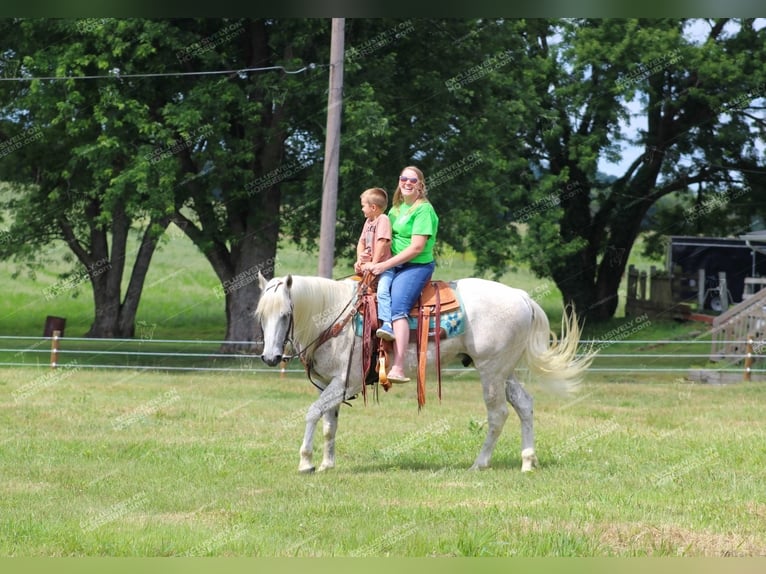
[452, 324]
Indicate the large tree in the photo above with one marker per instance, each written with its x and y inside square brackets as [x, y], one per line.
[698, 99]
[231, 158]
[261, 176]
[70, 150]
[432, 92]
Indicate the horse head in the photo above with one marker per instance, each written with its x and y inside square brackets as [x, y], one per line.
[275, 314]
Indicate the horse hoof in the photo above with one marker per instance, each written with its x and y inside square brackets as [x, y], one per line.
[528, 460]
[309, 470]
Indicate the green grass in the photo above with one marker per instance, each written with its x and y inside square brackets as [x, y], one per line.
[167, 464]
[148, 463]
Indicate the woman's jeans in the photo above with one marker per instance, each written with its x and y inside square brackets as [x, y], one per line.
[406, 282]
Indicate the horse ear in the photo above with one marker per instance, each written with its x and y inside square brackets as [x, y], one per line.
[289, 281]
[262, 282]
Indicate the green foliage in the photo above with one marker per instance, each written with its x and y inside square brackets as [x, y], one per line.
[596, 75]
[509, 120]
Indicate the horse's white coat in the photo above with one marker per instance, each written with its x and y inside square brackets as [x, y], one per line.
[504, 328]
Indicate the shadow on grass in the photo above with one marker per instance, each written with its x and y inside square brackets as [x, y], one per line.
[410, 463]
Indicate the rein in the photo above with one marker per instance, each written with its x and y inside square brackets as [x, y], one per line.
[335, 328]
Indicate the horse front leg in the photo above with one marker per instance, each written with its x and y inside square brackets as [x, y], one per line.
[328, 402]
[330, 428]
[497, 413]
[522, 403]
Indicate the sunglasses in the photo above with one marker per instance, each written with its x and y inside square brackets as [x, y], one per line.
[410, 179]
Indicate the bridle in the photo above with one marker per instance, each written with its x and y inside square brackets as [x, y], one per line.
[290, 331]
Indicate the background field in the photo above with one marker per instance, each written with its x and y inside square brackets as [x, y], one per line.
[129, 462]
[180, 303]
[179, 299]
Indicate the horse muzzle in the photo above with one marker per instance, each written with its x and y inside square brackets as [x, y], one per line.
[272, 360]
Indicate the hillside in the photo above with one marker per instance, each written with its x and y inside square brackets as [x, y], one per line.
[179, 299]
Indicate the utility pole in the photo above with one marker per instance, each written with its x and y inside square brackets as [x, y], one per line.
[332, 150]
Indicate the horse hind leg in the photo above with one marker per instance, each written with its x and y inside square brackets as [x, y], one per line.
[522, 403]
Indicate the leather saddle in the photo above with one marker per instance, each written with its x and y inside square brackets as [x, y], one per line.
[438, 291]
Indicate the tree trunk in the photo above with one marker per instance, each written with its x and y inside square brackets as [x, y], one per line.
[115, 318]
[127, 318]
[106, 321]
[576, 285]
[238, 268]
[241, 292]
[575, 275]
[593, 288]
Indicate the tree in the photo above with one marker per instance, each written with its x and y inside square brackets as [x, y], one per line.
[701, 128]
[421, 92]
[206, 151]
[264, 162]
[232, 159]
[72, 144]
[508, 119]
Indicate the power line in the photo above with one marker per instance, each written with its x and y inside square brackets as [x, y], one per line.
[117, 75]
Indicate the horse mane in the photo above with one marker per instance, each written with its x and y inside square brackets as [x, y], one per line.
[317, 302]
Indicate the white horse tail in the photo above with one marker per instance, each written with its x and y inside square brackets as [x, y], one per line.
[554, 359]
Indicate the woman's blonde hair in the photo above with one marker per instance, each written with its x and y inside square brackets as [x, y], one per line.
[423, 193]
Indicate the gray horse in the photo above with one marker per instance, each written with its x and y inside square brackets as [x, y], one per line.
[504, 327]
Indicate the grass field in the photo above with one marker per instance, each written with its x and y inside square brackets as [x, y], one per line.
[180, 303]
[165, 464]
[153, 463]
[179, 299]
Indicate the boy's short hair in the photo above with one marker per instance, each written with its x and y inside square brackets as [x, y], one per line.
[376, 196]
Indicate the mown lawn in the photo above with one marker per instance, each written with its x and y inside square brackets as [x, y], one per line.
[105, 463]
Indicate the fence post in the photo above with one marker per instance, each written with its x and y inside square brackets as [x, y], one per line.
[632, 282]
[723, 290]
[55, 348]
[642, 286]
[701, 290]
[748, 357]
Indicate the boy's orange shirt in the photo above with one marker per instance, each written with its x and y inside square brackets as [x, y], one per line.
[376, 238]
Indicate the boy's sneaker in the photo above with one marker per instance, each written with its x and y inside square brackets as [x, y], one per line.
[386, 332]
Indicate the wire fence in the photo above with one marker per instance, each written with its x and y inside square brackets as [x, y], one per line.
[614, 356]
